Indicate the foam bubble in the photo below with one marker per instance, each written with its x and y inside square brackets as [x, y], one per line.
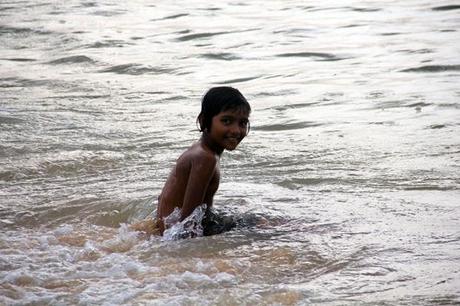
[196, 279]
[205, 267]
[225, 278]
[65, 229]
[123, 241]
[43, 241]
[20, 278]
[88, 253]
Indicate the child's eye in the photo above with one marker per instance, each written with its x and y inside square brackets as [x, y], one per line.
[226, 121]
[244, 123]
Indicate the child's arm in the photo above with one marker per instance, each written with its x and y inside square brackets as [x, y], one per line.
[202, 170]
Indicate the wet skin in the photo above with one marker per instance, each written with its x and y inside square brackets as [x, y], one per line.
[195, 178]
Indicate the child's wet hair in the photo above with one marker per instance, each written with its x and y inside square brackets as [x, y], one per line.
[220, 99]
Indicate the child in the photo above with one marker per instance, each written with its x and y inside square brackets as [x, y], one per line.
[224, 122]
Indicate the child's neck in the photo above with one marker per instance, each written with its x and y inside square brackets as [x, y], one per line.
[212, 146]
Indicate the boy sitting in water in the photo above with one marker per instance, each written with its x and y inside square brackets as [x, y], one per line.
[224, 122]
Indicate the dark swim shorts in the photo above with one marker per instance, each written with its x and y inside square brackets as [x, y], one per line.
[214, 223]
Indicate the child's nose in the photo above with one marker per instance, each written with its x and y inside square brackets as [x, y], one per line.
[235, 129]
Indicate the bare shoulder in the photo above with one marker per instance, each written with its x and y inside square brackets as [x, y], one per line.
[197, 155]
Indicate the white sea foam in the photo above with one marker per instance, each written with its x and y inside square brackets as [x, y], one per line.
[225, 278]
[89, 252]
[123, 241]
[64, 229]
[196, 278]
[205, 267]
[21, 277]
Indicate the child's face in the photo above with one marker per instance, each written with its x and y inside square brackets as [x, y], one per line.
[228, 128]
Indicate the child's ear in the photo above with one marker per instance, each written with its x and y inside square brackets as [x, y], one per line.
[200, 122]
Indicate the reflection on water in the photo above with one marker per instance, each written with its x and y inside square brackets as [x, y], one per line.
[346, 189]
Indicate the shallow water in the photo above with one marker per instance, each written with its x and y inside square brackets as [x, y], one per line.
[351, 168]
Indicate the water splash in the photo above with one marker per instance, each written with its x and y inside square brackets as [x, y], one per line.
[188, 228]
[122, 242]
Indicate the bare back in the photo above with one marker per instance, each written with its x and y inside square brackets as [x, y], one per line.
[192, 182]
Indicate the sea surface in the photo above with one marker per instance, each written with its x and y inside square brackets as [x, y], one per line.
[349, 179]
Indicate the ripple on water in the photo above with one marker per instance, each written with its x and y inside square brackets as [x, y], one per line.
[294, 106]
[314, 55]
[225, 56]
[175, 16]
[446, 8]
[433, 68]
[10, 120]
[197, 36]
[108, 13]
[136, 69]
[22, 31]
[19, 59]
[238, 80]
[110, 43]
[65, 164]
[75, 59]
[365, 9]
[21, 82]
[286, 126]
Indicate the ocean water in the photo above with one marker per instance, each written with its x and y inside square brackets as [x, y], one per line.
[351, 170]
